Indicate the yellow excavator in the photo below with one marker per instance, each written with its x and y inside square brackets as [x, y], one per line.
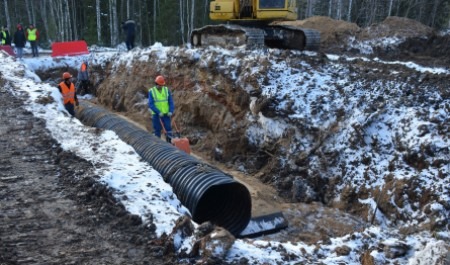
[253, 23]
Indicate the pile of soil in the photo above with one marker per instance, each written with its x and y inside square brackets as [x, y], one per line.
[419, 43]
[333, 33]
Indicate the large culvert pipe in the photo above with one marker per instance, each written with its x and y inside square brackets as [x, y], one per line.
[208, 193]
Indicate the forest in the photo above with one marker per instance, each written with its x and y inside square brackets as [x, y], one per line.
[170, 22]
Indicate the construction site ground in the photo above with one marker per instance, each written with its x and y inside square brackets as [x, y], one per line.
[46, 217]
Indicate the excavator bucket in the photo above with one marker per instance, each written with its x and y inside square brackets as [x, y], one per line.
[69, 48]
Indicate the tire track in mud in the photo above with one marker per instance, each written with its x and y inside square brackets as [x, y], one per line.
[52, 210]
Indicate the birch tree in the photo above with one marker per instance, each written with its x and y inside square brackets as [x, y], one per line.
[330, 4]
[128, 9]
[349, 13]
[113, 22]
[29, 14]
[43, 5]
[8, 20]
[391, 3]
[99, 21]
[154, 17]
[74, 20]
[182, 20]
[68, 22]
[191, 21]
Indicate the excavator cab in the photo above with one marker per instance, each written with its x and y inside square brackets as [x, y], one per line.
[240, 10]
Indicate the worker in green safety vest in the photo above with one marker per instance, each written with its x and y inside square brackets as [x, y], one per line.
[161, 106]
[5, 36]
[32, 35]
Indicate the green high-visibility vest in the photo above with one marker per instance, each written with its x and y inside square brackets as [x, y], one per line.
[3, 38]
[32, 34]
[161, 99]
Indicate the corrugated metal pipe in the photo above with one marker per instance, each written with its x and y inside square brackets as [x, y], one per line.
[208, 193]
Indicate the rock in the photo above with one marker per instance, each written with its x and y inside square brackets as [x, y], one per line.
[183, 229]
[204, 229]
[395, 248]
[216, 244]
[343, 250]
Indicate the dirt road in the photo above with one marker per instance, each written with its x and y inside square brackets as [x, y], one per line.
[52, 211]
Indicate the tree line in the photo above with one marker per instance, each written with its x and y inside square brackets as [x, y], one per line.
[171, 21]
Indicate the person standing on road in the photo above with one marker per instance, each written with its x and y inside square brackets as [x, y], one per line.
[83, 78]
[161, 106]
[19, 41]
[67, 89]
[32, 35]
[129, 27]
[5, 36]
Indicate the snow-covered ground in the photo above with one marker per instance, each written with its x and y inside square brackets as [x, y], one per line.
[121, 168]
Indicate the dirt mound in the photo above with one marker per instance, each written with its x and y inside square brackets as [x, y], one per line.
[336, 35]
[399, 27]
[332, 32]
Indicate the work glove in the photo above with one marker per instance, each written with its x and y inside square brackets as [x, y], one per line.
[161, 114]
[169, 114]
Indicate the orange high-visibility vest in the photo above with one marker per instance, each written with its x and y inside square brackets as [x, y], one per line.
[68, 93]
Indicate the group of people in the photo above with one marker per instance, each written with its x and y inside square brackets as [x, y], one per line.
[160, 101]
[31, 34]
[20, 38]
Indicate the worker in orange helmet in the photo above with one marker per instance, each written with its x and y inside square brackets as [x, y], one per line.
[161, 106]
[82, 86]
[68, 92]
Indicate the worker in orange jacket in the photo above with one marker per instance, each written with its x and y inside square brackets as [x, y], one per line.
[83, 79]
[68, 92]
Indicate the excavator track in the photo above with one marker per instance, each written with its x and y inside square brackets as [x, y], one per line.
[227, 36]
[273, 36]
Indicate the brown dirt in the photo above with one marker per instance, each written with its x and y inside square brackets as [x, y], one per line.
[333, 33]
[53, 210]
[208, 105]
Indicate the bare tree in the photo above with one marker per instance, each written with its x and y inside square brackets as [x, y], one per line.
[128, 9]
[43, 5]
[192, 15]
[349, 14]
[182, 20]
[330, 4]
[339, 9]
[8, 20]
[30, 15]
[68, 22]
[99, 21]
[113, 22]
[391, 3]
[74, 20]
[155, 4]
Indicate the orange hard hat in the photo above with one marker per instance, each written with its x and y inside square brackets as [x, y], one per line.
[160, 80]
[67, 75]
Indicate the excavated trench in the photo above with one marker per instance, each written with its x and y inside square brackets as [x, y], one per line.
[307, 222]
